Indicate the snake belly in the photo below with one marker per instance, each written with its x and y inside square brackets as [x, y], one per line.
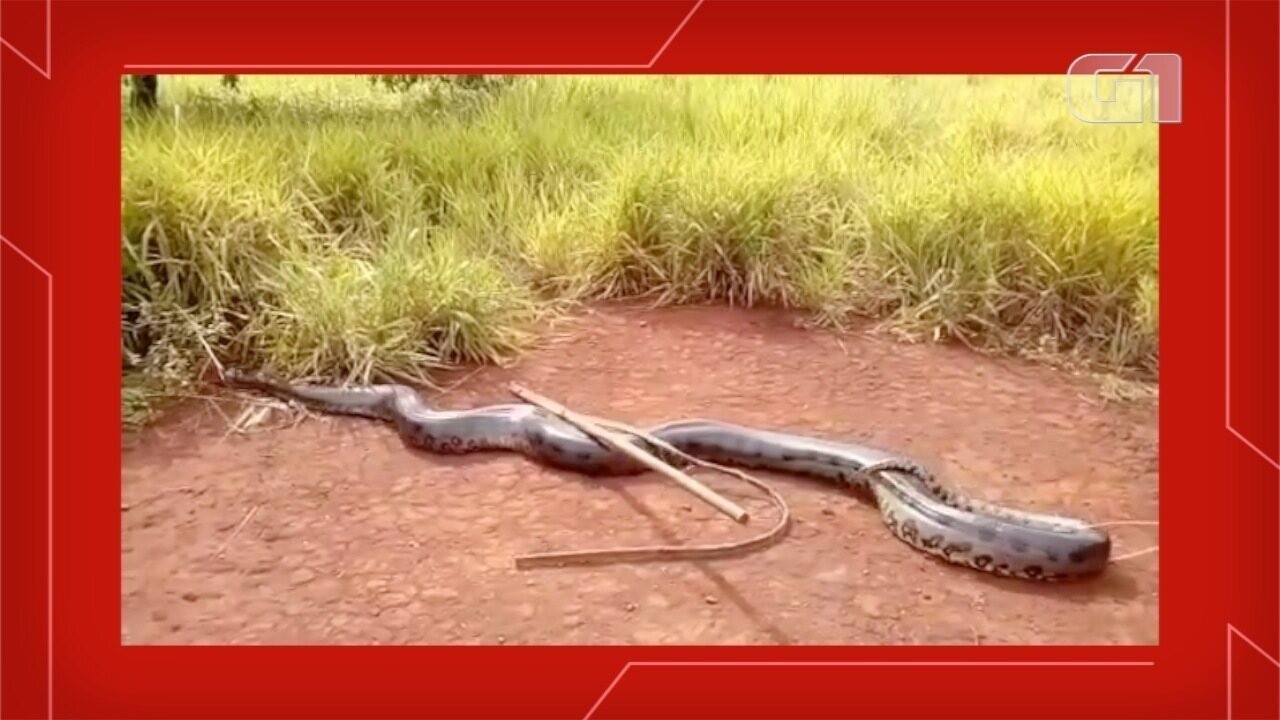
[917, 508]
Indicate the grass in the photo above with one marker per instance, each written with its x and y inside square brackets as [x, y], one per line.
[325, 227]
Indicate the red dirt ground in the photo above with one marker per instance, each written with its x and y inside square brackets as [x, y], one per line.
[353, 538]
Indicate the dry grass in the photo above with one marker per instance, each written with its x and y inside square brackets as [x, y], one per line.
[326, 227]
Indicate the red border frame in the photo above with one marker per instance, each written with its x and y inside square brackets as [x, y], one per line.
[1219, 489]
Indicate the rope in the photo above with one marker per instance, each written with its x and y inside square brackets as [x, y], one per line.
[1114, 523]
[1124, 523]
[669, 552]
[1136, 553]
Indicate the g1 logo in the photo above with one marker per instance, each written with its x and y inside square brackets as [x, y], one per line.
[1101, 88]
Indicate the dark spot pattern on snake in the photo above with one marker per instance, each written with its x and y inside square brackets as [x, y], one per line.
[909, 530]
[539, 436]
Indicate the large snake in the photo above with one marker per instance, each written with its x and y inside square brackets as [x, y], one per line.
[918, 508]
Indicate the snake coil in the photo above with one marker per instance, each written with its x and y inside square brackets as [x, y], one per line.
[917, 508]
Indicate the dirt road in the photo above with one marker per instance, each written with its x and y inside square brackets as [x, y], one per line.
[351, 537]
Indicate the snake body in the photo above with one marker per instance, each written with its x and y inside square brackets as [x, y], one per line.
[917, 508]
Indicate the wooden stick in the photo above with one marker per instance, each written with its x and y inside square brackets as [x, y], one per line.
[669, 552]
[622, 444]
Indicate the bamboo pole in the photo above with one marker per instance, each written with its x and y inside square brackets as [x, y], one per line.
[622, 444]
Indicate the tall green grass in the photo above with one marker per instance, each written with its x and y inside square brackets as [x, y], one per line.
[324, 226]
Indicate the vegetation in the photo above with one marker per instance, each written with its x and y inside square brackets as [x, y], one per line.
[342, 228]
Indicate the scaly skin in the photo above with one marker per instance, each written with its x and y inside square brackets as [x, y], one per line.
[915, 505]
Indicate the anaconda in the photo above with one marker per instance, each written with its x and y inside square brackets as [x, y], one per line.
[916, 506]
